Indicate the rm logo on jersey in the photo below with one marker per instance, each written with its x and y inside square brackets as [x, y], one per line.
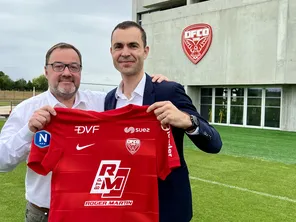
[42, 139]
[110, 180]
[132, 145]
[196, 40]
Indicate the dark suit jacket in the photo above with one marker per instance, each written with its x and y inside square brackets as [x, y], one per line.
[175, 202]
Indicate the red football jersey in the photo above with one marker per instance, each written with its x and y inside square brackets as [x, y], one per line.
[105, 166]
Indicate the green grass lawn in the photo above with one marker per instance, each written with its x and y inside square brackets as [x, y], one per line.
[9, 102]
[252, 179]
[5, 103]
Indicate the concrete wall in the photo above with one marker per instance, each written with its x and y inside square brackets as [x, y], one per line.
[138, 7]
[194, 93]
[254, 42]
[291, 43]
[150, 3]
[288, 114]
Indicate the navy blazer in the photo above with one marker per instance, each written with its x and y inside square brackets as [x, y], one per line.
[175, 202]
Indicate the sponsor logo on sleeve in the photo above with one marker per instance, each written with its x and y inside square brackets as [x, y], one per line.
[42, 139]
[170, 153]
[165, 128]
[196, 41]
[168, 132]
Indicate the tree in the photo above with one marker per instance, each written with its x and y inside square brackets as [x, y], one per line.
[5, 82]
[20, 84]
[29, 86]
[2, 74]
[40, 83]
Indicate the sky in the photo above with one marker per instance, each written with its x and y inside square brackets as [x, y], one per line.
[28, 28]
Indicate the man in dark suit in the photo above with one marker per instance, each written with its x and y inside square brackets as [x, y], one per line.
[170, 104]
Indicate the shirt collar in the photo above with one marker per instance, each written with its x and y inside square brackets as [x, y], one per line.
[79, 98]
[138, 90]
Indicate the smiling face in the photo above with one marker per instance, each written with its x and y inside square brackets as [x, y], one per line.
[63, 84]
[128, 51]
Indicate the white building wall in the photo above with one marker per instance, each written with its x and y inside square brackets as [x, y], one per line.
[254, 44]
[291, 43]
[288, 115]
[248, 47]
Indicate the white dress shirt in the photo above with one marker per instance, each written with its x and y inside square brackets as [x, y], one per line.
[137, 95]
[136, 98]
[15, 139]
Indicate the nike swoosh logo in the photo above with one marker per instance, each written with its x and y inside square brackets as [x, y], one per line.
[83, 147]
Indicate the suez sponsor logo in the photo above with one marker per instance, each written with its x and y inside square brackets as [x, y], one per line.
[110, 182]
[136, 130]
[86, 129]
[196, 40]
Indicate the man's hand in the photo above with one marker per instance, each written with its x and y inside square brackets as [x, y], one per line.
[40, 118]
[168, 114]
[159, 78]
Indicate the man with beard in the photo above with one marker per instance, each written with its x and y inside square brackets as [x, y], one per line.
[171, 106]
[63, 64]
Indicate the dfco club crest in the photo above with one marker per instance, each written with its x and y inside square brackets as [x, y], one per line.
[132, 145]
[196, 40]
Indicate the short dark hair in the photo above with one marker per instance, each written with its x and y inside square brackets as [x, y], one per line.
[62, 45]
[130, 24]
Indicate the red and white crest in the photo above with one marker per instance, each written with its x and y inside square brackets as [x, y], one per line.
[196, 40]
[132, 145]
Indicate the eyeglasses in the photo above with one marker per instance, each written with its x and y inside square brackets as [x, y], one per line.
[60, 67]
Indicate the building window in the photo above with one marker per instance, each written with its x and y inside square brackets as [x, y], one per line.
[254, 106]
[206, 103]
[221, 105]
[246, 106]
[139, 18]
[197, 1]
[272, 107]
[237, 106]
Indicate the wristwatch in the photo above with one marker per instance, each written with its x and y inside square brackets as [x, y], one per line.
[195, 123]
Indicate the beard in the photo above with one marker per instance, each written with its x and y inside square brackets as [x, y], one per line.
[64, 92]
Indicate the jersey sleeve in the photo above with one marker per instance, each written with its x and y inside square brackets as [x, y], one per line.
[44, 155]
[167, 154]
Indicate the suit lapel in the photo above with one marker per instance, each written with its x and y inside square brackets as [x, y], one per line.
[113, 102]
[149, 94]
[110, 100]
[148, 98]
